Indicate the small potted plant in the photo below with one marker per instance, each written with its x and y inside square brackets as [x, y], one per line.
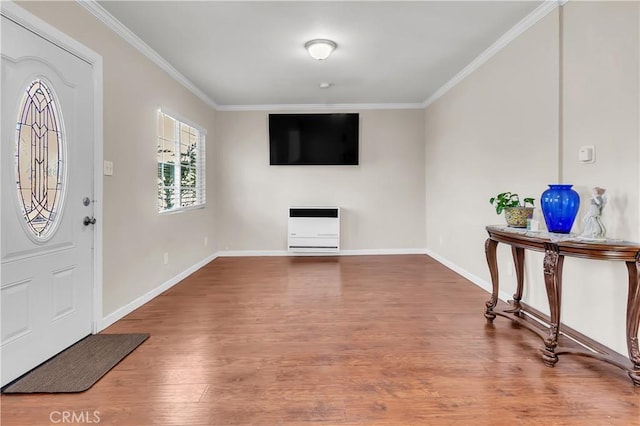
[515, 212]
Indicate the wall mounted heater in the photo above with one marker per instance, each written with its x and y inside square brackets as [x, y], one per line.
[314, 229]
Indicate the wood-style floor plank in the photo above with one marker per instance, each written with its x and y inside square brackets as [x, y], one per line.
[362, 340]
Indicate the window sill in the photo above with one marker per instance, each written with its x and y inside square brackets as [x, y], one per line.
[182, 209]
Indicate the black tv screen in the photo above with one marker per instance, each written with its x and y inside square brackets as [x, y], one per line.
[313, 139]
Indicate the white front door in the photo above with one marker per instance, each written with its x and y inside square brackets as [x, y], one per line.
[46, 163]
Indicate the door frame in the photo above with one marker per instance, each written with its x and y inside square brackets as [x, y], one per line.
[36, 25]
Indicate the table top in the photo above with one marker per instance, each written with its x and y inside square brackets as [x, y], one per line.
[567, 244]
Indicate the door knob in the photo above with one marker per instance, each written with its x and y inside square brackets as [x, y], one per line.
[89, 220]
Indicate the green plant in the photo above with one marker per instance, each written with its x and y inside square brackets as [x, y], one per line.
[508, 199]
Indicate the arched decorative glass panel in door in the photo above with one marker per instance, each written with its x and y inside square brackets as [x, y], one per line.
[40, 159]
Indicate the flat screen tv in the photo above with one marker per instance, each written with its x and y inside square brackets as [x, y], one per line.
[313, 139]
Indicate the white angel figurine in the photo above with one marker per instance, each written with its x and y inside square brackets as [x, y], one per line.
[593, 226]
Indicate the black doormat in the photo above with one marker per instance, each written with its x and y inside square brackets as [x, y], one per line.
[79, 366]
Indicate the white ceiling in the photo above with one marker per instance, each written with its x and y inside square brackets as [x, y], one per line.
[242, 53]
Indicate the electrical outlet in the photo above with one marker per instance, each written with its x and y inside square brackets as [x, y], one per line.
[206, 241]
[166, 258]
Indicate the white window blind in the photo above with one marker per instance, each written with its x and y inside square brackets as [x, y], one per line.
[181, 163]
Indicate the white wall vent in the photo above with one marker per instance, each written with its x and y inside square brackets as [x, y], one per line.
[314, 229]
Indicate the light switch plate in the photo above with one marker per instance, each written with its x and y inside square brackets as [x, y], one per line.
[587, 154]
[108, 168]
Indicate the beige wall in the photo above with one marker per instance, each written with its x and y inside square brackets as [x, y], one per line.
[135, 235]
[601, 99]
[381, 200]
[498, 131]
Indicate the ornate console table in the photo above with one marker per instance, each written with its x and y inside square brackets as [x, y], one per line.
[555, 248]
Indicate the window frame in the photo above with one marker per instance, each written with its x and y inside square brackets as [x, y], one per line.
[200, 167]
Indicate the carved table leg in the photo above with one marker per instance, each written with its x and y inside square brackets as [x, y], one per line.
[518, 261]
[633, 318]
[490, 251]
[553, 282]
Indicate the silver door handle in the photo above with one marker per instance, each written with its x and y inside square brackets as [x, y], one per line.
[89, 220]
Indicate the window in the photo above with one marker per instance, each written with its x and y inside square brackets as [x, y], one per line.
[181, 164]
[40, 159]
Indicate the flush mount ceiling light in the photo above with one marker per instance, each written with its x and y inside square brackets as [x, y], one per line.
[319, 48]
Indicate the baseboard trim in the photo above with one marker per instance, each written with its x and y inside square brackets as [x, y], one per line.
[135, 304]
[383, 252]
[367, 252]
[486, 286]
[251, 253]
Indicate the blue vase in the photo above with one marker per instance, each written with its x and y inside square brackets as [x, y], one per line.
[560, 206]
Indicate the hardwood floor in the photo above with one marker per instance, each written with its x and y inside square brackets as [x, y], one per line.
[362, 340]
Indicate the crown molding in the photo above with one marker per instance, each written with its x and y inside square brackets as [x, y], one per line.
[530, 20]
[319, 107]
[116, 26]
[111, 22]
[119, 28]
